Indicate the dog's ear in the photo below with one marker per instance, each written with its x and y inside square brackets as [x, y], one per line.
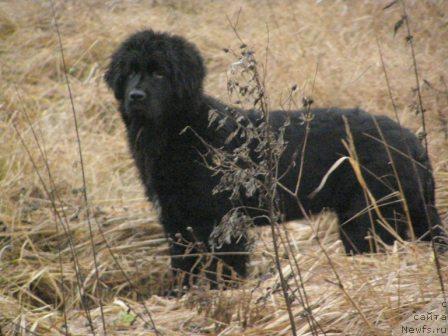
[114, 76]
[189, 71]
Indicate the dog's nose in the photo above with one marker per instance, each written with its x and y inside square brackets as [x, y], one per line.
[136, 95]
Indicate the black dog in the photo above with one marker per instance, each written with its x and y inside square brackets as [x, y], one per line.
[157, 79]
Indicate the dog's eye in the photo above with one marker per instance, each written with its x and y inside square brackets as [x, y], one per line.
[131, 75]
[158, 75]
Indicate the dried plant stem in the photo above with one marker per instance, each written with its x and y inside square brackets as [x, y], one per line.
[394, 105]
[271, 187]
[311, 320]
[270, 184]
[43, 153]
[53, 195]
[78, 138]
[422, 111]
[336, 274]
[283, 281]
[327, 256]
[308, 101]
[410, 40]
[56, 212]
[444, 119]
[130, 283]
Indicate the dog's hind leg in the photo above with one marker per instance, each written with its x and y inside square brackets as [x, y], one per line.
[359, 221]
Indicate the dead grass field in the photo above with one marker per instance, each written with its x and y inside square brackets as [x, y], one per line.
[379, 291]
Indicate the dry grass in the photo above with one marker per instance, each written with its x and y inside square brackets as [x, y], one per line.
[339, 35]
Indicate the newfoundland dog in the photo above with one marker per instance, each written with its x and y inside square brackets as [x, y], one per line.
[157, 79]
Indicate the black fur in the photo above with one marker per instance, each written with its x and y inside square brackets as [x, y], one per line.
[170, 72]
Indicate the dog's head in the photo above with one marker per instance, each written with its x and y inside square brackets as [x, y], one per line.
[151, 73]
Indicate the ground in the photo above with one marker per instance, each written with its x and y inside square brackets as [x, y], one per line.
[378, 291]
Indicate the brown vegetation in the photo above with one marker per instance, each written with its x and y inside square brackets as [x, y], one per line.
[378, 292]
